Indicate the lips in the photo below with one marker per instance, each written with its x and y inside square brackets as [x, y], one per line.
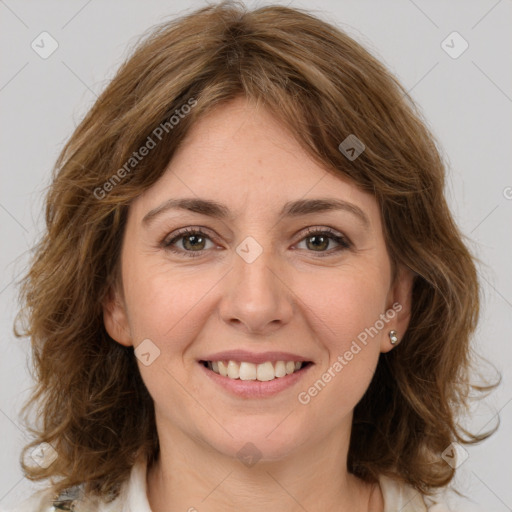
[254, 388]
[252, 357]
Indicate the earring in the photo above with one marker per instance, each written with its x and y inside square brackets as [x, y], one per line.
[393, 337]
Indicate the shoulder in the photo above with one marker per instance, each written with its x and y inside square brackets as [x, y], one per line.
[131, 496]
[73, 500]
[38, 502]
[400, 496]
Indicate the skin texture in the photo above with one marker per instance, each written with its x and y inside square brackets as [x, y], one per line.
[289, 299]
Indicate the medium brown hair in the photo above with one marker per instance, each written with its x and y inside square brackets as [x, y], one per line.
[323, 86]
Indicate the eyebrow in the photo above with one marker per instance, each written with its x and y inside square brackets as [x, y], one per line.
[290, 209]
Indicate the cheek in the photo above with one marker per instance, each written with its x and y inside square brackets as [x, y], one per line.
[345, 305]
[168, 309]
[346, 316]
[161, 303]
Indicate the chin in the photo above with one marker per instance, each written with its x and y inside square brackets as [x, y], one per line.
[269, 439]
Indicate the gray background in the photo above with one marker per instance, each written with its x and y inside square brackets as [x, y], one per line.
[467, 101]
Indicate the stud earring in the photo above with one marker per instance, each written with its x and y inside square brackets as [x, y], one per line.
[393, 337]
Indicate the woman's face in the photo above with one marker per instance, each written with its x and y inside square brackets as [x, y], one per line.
[312, 282]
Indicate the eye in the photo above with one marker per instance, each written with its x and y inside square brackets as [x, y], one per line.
[320, 239]
[193, 241]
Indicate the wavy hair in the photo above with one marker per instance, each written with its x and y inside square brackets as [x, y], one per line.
[324, 86]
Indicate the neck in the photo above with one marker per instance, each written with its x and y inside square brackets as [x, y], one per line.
[192, 476]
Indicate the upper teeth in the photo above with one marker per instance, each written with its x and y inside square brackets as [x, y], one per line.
[250, 371]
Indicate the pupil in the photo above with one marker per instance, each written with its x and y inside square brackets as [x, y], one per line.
[194, 239]
[322, 238]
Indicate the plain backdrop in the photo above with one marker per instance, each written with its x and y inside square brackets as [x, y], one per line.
[466, 98]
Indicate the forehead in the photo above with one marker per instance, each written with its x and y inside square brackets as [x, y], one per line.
[241, 156]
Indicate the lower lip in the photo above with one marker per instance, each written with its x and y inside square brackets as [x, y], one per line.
[256, 388]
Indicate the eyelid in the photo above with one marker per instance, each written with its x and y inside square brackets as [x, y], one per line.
[188, 230]
[341, 239]
[323, 229]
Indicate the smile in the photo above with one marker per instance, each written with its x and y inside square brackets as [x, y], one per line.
[250, 380]
[263, 372]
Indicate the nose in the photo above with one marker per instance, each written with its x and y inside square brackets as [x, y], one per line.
[257, 297]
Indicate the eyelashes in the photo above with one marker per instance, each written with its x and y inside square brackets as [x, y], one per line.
[168, 244]
[196, 237]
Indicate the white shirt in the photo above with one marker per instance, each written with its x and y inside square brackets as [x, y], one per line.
[398, 497]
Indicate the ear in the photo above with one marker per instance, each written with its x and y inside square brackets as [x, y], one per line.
[115, 317]
[399, 301]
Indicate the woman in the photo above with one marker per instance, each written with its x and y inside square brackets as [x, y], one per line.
[251, 290]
